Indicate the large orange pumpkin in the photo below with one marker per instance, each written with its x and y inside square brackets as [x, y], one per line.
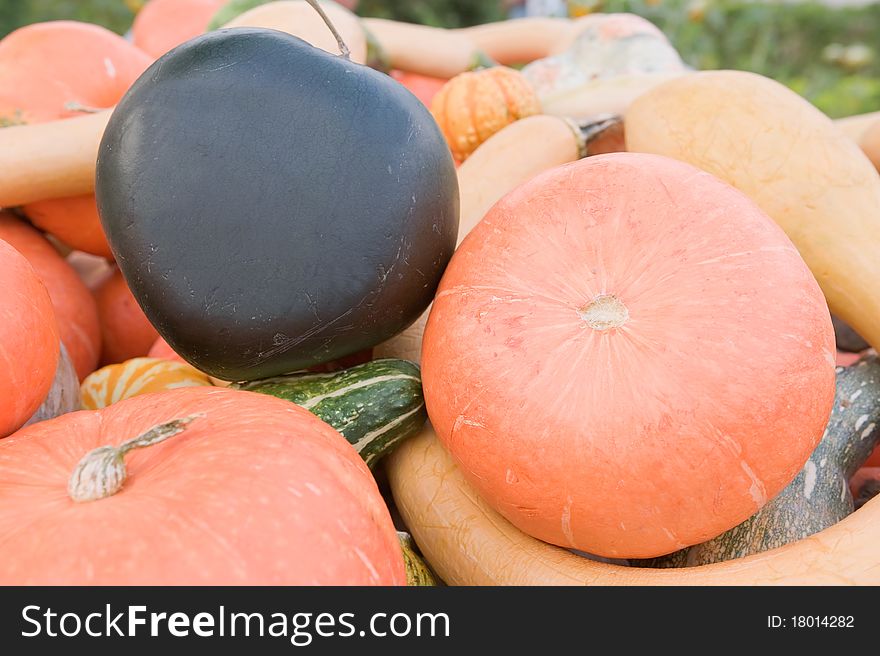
[473, 106]
[57, 70]
[422, 87]
[254, 490]
[75, 309]
[29, 342]
[626, 356]
[163, 24]
[126, 332]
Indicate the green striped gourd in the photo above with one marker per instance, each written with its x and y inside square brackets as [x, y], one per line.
[819, 496]
[374, 405]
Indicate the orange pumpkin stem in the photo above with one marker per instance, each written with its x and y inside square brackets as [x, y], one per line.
[74, 106]
[101, 472]
[343, 48]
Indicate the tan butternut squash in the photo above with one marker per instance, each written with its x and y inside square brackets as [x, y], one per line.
[425, 50]
[520, 40]
[789, 158]
[467, 543]
[49, 160]
[855, 126]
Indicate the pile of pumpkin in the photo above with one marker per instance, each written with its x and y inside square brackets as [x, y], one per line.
[602, 278]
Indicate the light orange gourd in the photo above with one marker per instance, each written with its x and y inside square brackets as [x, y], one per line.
[29, 342]
[473, 106]
[789, 158]
[254, 490]
[75, 308]
[117, 382]
[58, 70]
[626, 356]
[125, 330]
[161, 25]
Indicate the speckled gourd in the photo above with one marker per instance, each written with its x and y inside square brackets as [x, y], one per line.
[820, 495]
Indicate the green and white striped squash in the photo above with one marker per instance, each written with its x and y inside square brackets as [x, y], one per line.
[374, 405]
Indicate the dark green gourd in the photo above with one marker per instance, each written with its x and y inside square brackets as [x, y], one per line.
[273, 206]
[819, 496]
[374, 405]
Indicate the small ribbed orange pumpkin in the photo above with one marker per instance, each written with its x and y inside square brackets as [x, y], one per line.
[473, 106]
[137, 376]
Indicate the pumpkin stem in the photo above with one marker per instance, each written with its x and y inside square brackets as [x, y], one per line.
[74, 106]
[343, 49]
[592, 129]
[604, 312]
[101, 472]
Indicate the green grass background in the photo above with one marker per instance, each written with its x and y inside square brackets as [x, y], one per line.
[829, 55]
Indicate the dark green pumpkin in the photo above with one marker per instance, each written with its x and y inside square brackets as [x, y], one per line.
[273, 206]
[820, 495]
[374, 405]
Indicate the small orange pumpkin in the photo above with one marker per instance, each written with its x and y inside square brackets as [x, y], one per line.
[137, 376]
[473, 106]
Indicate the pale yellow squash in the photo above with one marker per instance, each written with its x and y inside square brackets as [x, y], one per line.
[788, 157]
[468, 543]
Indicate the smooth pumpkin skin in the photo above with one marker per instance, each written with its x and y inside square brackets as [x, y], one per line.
[255, 491]
[337, 273]
[29, 341]
[161, 350]
[125, 330]
[117, 382]
[161, 25]
[49, 160]
[422, 87]
[74, 220]
[473, 106]
[789, 158]
[75, 309]
[697, 376]
[47, 65]
[467, 543]
[298, 18]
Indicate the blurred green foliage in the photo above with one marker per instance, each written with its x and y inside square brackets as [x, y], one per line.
[112, 14]
[830, 55]
[790, 42]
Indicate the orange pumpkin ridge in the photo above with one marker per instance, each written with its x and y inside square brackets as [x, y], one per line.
[125, 330]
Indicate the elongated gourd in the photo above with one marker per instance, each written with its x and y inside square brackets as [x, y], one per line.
[611, 95]
[374, 405]
[468, 543]
[49, 160]
[855, 126]
[870, 144]
[819, 496]
[520, 40]
[504, 161]
[425, 50]
[791, 160]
